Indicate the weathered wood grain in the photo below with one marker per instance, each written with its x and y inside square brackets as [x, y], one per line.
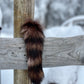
[23, 9]
[57, 52]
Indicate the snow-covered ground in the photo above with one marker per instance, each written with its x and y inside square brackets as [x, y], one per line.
[64, 31]
[61, 75]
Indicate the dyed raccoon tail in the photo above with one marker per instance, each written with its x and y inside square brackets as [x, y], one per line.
[34, 39]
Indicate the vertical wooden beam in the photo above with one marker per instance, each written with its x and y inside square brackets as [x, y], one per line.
[23, 9]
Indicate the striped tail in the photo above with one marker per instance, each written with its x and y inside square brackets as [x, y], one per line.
[34, 39]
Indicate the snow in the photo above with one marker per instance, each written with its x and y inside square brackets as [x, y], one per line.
[63, 32]
[81, 75]
[76, 18]
[58, 74]
[7, 33]
[7, 77]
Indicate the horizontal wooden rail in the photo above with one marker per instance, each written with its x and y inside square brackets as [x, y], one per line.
[57, 52]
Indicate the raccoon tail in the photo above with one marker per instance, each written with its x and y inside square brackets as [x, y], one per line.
[34, 40]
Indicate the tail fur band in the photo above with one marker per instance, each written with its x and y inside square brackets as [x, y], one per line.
[34, 39]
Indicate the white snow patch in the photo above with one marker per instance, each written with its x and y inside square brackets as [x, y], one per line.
[59, 75]
[63, 32]
[7, 32]
[76, 18]
[7, 77]
[80, 75]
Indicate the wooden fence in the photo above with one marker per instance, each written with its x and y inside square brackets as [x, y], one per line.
[57, 52]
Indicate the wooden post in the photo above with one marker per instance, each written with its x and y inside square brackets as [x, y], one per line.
[23, 9]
